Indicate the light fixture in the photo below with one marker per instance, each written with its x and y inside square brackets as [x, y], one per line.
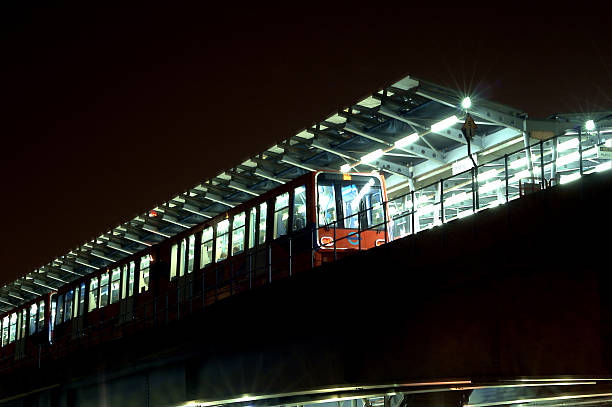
[345, 168]
[444, 124]
[487, 175]
[403, 142]
[368, 158]
[466, 103]
[590, 125]
[569, 178]
[573, 143]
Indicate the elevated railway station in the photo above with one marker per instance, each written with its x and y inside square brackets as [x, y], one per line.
[367, 260]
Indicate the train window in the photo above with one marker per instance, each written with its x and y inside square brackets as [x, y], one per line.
[326, 204]
[124, 281]
[173, 262]
[81, 299]
[222, 240]
[299, 208]
[182, 258]
[252, 220]
[132, 274]
[5, 330]
[41, 315]
[263, 214]
[93, 294]
[145, 263]
[33, 318]
[104, 290]
[206, 250]
[24, 320]
[13, 327]
[115, 281]
[238, 234]
[59, 316]
[281, 215]
[75, 308]
[350, 206]
[190, 253]
[68, 305]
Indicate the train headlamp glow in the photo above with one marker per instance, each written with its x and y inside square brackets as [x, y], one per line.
[444, 124]
[590, 125]
[466, 103]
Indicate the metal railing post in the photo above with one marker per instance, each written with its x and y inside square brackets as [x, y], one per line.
[312, 246]
[580, 147]
[359, 228]
[290, 257]
[542, 163]
[413, 211]
[473, 192]
[506, 175]
[269, 263]
[442, 201]
[386, 222]
[335, 224]
[250, 271]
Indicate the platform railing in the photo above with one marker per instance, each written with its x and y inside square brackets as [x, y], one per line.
[499, 180]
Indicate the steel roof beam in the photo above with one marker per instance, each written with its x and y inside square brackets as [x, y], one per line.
[243, 188]
[260, 172]
[118, 247]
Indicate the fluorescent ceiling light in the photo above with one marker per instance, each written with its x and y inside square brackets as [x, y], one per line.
[566, 159]
[490, 186]
[406, 140]
[603, 167]
[569, 178]
[444, 124]
[573, 143]
[487, 175]
[345, 168]
[457, 198]
[368, 158]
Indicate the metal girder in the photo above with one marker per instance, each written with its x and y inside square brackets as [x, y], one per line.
[172, 219]
[195, 210]
[6, 301]
[153, 229]
[43, 284]
[260, 172]
[218, 199]
[296, 163]
[119, 247]
[101, 255]
[136, 238]
[364, 134]
[242, 188]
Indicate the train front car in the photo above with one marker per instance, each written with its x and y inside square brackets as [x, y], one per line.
[351, 213]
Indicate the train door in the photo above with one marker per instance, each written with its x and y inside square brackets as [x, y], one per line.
[126, 304]
[78, 314]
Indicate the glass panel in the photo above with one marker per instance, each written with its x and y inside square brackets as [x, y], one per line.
[281, 215]
[521, 180]
[299, 208]
[41, 315]
[82, 299]
[59, 316]
[24, 319]
[238, 234]
[400, 210]
[124, 281]
[427, 207]
[173, 260]
[491, 184]
[222, 240]
[115, 281]
[13, 327]
[458, 198]
[145, 262]
[68, 305]
[190, 253]
[104, 290]
[326, 204]
[93, 294]
[33, 318]
[5, 330]
[252, 224]
[263, 215]
[206, 249]
[182, 257]
[132, 277]
[76, 302]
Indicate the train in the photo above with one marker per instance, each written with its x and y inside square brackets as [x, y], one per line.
[304, 223]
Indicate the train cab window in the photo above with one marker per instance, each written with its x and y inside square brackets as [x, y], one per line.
[124, 270]
[68, 305]
[24, 320]
[59, 315]
[81, 300]
[356, 198]
[115, 281]
[41, 315]
[263, 215]
[252, 224]
[5, 330]
[238, 234]
[93, 294]
[206, 250]
[281, 215]
[190, 253]
[222, 240]
[145, 264]
[33, 318]
[299, 208]
[131, 280]
[104, 290]
[13, 327]
[326, 204]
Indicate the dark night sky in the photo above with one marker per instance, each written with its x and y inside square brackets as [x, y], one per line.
[107, 112]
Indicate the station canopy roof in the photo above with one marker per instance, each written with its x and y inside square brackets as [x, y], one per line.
[410, 131]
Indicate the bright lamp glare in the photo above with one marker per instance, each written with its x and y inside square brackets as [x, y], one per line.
[590, 125]
[368, 158]
[466, 103]
[345, 168]
[444, 124]
[406, 141]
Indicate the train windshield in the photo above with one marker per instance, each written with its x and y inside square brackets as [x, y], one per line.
[354, 201]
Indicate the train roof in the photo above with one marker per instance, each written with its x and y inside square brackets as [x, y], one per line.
[376, 124]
